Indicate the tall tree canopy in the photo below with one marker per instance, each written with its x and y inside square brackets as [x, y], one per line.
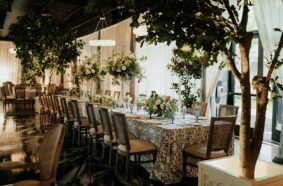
[211, 25]
[43, 44]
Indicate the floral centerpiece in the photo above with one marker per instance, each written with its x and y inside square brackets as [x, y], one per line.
[141, 102]
[105, 100]
[74, 91]
[91, 69]
[161, 105]
[127, 100]
[124, 67]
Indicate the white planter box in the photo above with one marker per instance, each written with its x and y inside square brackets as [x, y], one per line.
[225, 172]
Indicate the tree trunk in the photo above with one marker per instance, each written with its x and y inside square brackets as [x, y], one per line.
[43, 81]
[246, 165]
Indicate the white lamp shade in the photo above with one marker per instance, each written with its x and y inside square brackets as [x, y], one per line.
[102, 42]
[12, 50]
[140, 31]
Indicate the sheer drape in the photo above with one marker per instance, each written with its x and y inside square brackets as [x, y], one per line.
[10, 65]
[269, 15]
[122, 34]
[212, 76]
[157, 75]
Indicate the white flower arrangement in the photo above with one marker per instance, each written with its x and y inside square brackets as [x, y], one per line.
[91, 69]
[105, 100]
[124, 67]
[161, 105]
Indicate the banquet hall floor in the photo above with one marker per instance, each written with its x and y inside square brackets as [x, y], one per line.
[77, 167]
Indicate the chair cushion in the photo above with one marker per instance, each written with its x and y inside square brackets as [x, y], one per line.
[132, 136]
[84, 122]
[100, 129]
[114, 140]
[141, 146]
[27, 183]
[199, 150]
[10, 97]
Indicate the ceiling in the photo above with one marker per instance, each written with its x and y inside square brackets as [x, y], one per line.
[70, 13]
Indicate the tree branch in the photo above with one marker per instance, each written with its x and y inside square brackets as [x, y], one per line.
[245, 16]
[275, 58]
[231, 64]
[231, 14]
[228, 23]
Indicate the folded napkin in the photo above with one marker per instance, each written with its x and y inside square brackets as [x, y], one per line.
[156, 122]
[134, 115]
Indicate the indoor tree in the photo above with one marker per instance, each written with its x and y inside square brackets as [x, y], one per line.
[43, 44]
[187, 66]
[212, 25]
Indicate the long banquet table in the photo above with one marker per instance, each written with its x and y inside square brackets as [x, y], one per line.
[169, 138]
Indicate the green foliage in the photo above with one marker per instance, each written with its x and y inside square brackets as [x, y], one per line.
[161, 105]
[187, 22]
[124, 67]
[187, 65]
[43, 44]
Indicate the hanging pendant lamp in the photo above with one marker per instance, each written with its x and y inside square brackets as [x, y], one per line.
[101, 42]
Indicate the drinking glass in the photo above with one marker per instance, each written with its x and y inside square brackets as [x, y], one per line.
[196, 113]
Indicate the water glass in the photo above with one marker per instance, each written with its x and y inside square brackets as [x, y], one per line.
[196, 113]
[132, 107]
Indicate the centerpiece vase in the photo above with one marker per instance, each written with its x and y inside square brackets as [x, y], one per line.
[91, 87]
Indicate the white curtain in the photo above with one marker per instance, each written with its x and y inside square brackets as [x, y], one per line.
[9, 64]
[269, 15]
[212, 76]
[157, 75]
[122, 34]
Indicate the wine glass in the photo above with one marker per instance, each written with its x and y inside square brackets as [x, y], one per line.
[196, 113]
[132, 107]
[184, 111]
[172, 117]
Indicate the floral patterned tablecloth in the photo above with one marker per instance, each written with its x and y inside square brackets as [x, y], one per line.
[170, 140]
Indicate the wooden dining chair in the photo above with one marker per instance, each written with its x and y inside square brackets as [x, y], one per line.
[217, 146]
[68, 120]
[20, 96]
[109, 138]
[51, 89]
[227, 110]
[49, 153]
[117, 94]
[51, 107]
[107, 92]
[98, 91]
[96, 131]
[81, 123]
[58, 110]
[127, 147]
[198, 106]
[7, 98]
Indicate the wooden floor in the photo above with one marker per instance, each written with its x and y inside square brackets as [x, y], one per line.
[77, 167]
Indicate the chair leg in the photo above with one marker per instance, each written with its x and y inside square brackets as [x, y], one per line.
[110, 155]
[116, 163]
[184, 165]
[127, 168]
[103, 150]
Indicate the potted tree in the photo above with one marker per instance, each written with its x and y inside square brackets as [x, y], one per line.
[212, 25]
[43, 44]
